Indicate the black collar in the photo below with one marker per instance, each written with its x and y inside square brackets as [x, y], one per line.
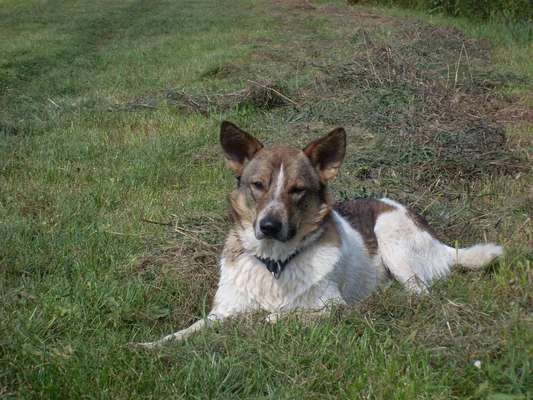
[276, 267]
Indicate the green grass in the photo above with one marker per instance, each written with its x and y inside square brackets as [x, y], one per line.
[90, 144]
[514, 11]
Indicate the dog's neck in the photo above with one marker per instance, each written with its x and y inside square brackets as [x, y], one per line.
[276, 267]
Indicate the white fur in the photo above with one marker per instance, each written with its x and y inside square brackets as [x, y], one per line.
[476, 256]
[358, 274]
[303, 284]
[322, 274]
[275, 205]
[414, 257]
[280, 183]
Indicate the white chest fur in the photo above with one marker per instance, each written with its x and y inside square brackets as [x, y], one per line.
[303, 283]
[321, 273]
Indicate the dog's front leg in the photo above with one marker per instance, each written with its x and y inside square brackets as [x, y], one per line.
[184, 333]
[229, 302]
[304, 316]
[310, 312]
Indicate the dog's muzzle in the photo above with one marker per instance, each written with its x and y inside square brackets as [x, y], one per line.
[271, 227]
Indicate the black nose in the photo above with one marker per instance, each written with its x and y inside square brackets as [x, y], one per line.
[270, 227]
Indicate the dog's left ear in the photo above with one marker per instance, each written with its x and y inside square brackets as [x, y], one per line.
[326, 154]
[239, 146]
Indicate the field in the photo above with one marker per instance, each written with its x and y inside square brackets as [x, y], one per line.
[113, 195]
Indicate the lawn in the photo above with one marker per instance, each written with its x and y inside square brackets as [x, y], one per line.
[113, 195]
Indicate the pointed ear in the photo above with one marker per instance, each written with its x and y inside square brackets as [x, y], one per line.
[326, 154]
[239, 147]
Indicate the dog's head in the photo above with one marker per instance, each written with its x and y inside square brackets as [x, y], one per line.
[281, 191]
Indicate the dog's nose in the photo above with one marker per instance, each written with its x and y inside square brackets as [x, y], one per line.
[270, 227]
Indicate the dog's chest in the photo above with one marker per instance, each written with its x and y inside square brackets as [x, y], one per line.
[305, 281]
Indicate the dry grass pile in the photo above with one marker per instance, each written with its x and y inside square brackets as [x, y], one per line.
[431, 97]
[264, 95]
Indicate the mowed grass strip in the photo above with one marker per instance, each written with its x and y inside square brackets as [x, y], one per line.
[101, 135]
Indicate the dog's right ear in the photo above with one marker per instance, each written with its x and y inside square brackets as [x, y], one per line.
[239, 146]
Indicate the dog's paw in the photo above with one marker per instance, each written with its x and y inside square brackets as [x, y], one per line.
[272, 318]
[144, 345]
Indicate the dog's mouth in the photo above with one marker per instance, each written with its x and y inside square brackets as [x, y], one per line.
[283, 235]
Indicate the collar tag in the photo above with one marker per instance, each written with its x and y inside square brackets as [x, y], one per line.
[276, 267]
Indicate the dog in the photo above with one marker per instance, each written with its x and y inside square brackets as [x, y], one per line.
[291, 248]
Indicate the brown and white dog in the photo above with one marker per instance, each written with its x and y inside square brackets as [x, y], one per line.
[292, 249]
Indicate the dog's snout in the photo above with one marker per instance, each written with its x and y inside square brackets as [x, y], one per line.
[270, 227]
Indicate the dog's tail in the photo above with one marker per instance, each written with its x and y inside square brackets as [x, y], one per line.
[476, 256]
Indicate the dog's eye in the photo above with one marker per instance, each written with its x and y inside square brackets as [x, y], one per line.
[258, 185]
[297, 191]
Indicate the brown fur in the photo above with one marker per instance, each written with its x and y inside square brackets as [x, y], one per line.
[362, 215]
[306, 203]
[304, 212]
[421, 222]
[327, 153]
[239, 146]
[330, 236]
[233, 247]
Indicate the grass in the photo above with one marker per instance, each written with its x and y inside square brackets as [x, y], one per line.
[100, 131]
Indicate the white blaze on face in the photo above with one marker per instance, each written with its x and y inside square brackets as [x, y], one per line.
[275, 205]
[280, 182]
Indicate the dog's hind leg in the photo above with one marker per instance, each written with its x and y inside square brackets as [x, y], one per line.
[415, 257]
[402, 267]
[412, 255]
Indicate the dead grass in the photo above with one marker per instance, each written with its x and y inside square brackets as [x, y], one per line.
[428, 95]
[261, 95]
